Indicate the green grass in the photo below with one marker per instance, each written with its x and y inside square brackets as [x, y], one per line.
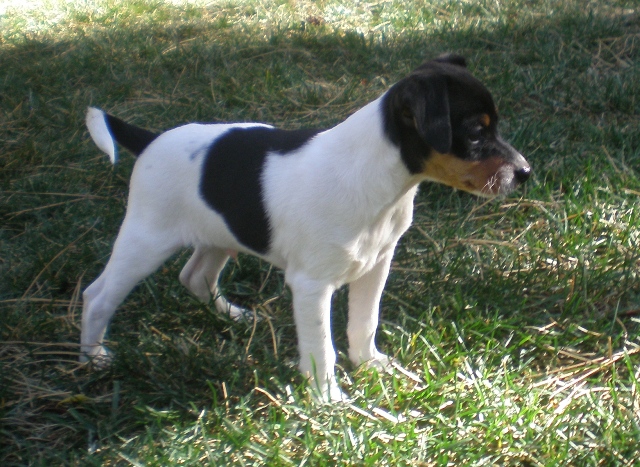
[519, 318]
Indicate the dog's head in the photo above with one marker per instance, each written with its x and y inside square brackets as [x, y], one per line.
[446, 125]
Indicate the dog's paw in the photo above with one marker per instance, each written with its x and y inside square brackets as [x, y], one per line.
[242, 314]
[99, 358]
[330, 394]
[380, 362]
[236, 313]
[336, 394]
[386, 364]
[326, 391]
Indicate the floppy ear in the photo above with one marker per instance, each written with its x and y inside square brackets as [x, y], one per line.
[425, 106]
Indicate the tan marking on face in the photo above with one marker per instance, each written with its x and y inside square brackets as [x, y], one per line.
[485, 120]
[478, 177]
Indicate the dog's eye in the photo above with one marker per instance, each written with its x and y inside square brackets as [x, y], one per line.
[475, 134]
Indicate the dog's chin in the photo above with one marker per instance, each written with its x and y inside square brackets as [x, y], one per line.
[500, 192]
[500, 185]
[497, 189]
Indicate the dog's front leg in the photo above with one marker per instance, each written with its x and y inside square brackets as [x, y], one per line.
[364, 303]
[312, 312]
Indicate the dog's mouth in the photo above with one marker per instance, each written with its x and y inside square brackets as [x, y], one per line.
[488, 178]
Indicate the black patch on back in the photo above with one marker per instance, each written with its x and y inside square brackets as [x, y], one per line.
[231, 182]
[133, 138]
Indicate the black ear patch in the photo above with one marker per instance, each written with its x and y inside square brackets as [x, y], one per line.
[431, 113]
[417, 118]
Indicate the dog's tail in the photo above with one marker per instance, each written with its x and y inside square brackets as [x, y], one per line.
[105, 129]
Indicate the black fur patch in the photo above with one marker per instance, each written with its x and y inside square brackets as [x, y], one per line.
[231, 182]
[130, 136]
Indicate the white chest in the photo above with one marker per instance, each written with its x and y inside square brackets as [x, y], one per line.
[379, 240]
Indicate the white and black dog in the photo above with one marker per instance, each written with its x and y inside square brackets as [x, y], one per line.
[326, 206]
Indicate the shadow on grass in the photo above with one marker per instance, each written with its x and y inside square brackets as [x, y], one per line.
[552, 79]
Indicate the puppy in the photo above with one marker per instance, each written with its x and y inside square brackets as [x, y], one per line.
[326, 206]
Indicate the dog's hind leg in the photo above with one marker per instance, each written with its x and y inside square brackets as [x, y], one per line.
[136, 254]
[200, 275]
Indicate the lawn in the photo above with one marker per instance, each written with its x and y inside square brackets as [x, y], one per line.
[517, 319]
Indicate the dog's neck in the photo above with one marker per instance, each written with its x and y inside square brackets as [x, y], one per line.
[374, 164]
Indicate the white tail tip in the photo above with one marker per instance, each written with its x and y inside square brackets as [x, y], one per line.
[99, 131]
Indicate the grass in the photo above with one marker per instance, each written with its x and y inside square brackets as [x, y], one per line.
[519, 319]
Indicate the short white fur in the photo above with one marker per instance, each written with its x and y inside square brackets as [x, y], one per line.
[100, 133]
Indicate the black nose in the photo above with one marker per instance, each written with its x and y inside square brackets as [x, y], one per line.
[523, 174]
